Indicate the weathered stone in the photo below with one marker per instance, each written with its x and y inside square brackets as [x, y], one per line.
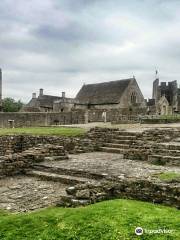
[71, 190]
[83, 194]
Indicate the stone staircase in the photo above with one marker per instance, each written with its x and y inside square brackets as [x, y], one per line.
[56, 177]
[121, 142]
[166, 154]
[69, 177]
[139, 146]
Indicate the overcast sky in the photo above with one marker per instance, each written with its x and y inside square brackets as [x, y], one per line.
[60, 44]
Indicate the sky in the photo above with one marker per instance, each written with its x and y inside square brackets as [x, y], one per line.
[59, 45]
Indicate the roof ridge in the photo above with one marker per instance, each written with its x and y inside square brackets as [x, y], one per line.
[125, 79]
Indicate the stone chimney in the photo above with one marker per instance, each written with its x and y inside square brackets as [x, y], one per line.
[63, 94]
[41, 92]
[0, 85]
[34, 95]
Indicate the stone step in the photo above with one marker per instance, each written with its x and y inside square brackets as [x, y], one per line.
[56, 158]
[167, 152]
[169, 146]
[71, 172]
[65, 179]
[124, 137]
[131, 153]
[116, 145]
[164, 160]
[112, 150]
[115, 133]
[125, 133]
[80, 151]
[123, 141]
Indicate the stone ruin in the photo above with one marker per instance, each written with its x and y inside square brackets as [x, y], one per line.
[106, 163]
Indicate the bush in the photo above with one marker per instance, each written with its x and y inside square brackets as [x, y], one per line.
[10, 105]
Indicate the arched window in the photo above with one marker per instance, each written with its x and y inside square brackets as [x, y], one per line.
[133, 97]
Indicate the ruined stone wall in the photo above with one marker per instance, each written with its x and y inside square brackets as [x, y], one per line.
[20, 152]
[18, 162]
[141, 189]
[22, 119]
[18, 143]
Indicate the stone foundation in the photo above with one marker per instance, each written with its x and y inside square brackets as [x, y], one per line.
[126, 188]
[17, 163]
[91, 176]
[18, 143]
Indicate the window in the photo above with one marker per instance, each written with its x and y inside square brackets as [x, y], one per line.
[133, 97]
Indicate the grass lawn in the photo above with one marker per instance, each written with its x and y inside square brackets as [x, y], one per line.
[109, 220]
[177, 116]
[66, 131]
[169, 176]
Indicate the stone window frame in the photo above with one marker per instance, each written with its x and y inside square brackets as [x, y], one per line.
[133, 97]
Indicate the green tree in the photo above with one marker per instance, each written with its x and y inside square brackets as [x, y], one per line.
[10, 105]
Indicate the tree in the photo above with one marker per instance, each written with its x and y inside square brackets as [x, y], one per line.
[10, 105]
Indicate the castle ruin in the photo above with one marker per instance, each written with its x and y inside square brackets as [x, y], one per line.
[165, 98]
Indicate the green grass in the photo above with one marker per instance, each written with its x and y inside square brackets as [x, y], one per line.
[109, 220]
[169, 176]
[177, 116]
[60, 131]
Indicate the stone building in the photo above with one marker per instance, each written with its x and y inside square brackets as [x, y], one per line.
[63, 104]
[166, 98]
[123, 95]
[48, 103]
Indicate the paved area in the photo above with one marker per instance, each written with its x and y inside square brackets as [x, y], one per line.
[109, 163]
[23, 193]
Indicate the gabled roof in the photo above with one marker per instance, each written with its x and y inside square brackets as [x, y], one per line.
[103, 93]
[43, 101]
[47, 100]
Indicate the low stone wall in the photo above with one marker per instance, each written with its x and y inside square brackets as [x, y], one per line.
[145, 190]
[18, 152]
[35, 119]
[16, 163]
[17, 143]
[32, 119]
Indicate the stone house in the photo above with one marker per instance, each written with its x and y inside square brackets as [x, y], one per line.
[48, 103]
[63, 104]
[162, 106]
[123, 95]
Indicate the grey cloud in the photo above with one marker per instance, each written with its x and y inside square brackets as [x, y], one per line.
[58, 45]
